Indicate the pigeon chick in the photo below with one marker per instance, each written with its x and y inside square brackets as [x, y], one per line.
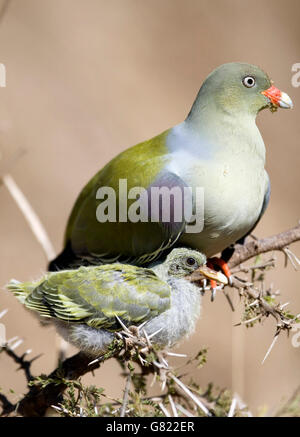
[90, 304]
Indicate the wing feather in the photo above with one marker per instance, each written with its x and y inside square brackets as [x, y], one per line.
[96, 295]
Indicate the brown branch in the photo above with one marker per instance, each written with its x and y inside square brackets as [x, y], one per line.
[126, 394]
[25, 365]
[252, 248]
[39, 398]
[7, 406]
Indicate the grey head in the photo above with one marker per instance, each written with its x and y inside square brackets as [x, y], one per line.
[237, 89]
[189, 264]
[182, 262]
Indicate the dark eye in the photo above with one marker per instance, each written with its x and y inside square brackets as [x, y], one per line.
[190, 261]
[249, 81]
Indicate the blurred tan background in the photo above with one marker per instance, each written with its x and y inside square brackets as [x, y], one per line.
[87, 79]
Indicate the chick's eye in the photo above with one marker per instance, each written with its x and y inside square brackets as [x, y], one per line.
[190, 261]
[249, 81]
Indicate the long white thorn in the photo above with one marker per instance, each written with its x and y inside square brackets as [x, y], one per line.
[165, 362]
[173, 354]
[164, 410]
[184, 410]
[16, 344]
[173, 407]
[147, 338]
[3, 313]
[142, 324]
[232, 407]
[12, 339]
[122, 324]
[270, 348]
[97, 360]
[155, 333]
[191, 395]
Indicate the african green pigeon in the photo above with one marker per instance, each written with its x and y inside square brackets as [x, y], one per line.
[88, 305]
[218, 148]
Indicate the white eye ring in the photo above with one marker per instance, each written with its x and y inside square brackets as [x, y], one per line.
[249, 81]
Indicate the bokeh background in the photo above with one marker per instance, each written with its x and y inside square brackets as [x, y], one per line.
[87, 79]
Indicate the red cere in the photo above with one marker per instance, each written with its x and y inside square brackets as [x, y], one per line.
[273, 93]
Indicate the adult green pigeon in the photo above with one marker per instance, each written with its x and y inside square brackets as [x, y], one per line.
[88, 305]
[218, 149]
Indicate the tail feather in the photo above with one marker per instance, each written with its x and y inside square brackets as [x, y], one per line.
[21, 289]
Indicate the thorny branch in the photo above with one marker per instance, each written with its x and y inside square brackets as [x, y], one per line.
[134, 346]
[260, 303]
[254, 248]
[40, 397]
[23, 363]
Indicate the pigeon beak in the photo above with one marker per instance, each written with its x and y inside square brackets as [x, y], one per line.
[205, 272]
[278, 98]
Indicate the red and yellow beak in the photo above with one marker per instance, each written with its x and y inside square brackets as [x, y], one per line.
[278, 98]
[205, 272]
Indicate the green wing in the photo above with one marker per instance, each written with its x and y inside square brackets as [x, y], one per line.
[137, 243]
[96, 295]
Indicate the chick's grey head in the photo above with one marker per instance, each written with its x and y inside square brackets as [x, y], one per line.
[182, 262]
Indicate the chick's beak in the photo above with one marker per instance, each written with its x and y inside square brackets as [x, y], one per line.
[278, 98]
[205, 272]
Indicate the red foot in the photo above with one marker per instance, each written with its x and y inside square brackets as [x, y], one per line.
[218, 262]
